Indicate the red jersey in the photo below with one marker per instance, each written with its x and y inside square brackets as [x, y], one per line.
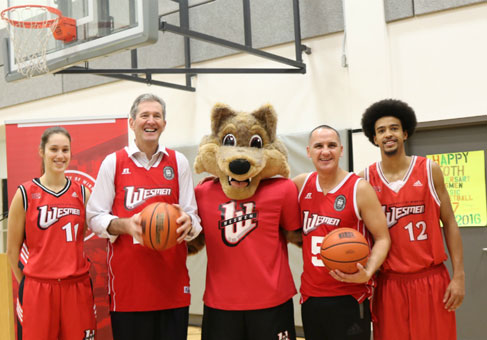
[54, 231]
[412, 208]
[321, 214]
[142, 279]
[248, 265]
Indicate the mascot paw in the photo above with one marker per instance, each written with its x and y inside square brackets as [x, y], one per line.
[195, 245]
[294, 237]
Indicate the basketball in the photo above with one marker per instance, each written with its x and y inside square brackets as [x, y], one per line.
[343, 248]
[159, 225]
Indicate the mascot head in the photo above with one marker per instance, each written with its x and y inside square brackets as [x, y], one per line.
[242, 149]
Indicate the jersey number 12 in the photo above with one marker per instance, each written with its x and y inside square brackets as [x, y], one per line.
[419, 225]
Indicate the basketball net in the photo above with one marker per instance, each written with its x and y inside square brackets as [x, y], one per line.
[30, 28]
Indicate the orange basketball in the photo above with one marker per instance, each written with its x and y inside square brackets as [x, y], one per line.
[159, 225]
[342, 248]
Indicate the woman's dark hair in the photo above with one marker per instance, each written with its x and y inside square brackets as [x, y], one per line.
[45, 138]
[388, 107]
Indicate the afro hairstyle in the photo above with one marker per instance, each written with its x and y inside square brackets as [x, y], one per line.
[388, 107]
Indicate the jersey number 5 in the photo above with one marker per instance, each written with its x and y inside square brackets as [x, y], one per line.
[316, 242]
[419, 225]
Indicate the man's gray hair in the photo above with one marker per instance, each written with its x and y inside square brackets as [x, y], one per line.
[147, 97]
[324, 126]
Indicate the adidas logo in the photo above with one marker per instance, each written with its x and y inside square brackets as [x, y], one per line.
[74, 194]
[418, 184]
[354, 330]
[126, 171]
[308, 196]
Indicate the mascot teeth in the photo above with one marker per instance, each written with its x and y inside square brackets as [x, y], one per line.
[239, 183]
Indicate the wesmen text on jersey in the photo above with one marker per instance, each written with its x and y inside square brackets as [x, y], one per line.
[54, 231]
[321, 214]
[412, 209]
[142, 279]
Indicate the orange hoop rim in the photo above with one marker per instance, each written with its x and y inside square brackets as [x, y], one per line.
[32, 24]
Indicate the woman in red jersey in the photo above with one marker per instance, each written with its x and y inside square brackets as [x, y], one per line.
[45, 248]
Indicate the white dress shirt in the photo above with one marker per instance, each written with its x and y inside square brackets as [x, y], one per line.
[99, 207]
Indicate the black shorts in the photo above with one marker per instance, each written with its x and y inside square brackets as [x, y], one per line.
[276, 323]
[336, 318]
[153, 325]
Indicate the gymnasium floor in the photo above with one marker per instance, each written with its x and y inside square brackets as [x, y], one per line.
[194, 333]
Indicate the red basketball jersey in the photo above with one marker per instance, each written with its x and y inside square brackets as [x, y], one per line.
[54, 231]
[248, 265]
[321, 214]
[413, 213]
[142, 279]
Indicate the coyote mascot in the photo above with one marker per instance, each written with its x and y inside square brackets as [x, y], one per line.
[245, 210]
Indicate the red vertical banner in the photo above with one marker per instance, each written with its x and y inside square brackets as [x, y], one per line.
[91, 141]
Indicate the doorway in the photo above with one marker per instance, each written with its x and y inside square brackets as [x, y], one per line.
[457, 136]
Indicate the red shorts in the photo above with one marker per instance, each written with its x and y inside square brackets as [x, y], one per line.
[57, 309]
[410, 306]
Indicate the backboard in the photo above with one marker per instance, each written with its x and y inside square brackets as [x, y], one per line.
[103, 27]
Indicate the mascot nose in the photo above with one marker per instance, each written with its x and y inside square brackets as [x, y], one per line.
[239, 166]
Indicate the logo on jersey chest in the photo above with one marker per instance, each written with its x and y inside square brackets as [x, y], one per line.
[237, 221]
[340, 203]
[394, 214]
[168, 173]
[135, 197]
[313, 221]
[48, 217]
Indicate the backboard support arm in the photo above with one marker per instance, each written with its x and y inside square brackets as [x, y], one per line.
[135, 74]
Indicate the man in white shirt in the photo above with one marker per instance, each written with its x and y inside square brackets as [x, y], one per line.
[149, 290]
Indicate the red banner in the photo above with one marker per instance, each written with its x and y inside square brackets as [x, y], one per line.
[91, 141]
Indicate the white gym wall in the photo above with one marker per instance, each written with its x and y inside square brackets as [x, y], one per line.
[435, 62]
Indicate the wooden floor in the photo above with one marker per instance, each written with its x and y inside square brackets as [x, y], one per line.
[194, 333]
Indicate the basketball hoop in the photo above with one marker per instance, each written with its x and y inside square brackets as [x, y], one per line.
[30, 27]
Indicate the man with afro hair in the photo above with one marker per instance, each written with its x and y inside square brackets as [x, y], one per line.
[415, 297]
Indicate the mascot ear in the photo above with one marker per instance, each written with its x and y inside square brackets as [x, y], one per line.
[219, 114]
[268, 118]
